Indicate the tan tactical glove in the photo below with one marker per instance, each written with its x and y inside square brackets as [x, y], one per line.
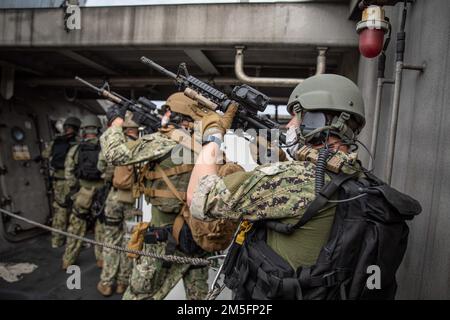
[214, 123]
[136, 241]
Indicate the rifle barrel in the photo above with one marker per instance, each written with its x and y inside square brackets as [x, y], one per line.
[157, 67]
[87, 84]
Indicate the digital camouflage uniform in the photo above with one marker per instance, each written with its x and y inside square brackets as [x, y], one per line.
[279, 191]
[60, 190]
[149, 278]
[78, 225]
[116, 265]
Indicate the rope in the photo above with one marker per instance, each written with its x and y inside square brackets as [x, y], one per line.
[212, 294]
[168, 258]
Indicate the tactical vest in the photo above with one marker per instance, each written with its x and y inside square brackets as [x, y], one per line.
[151, 183]
[165, 185]
[61, 146]
[369, 230]
[192, 236]
[87, 162]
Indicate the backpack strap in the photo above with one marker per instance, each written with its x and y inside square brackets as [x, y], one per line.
[159, 193]
[184, 168]
[314, 207]
[178, 223]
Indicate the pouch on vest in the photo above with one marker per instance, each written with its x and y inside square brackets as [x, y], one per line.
[136, 241]
[213, 235]
[123, 177]
[84, 198]
[125, 196]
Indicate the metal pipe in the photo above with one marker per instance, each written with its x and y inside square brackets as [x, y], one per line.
[399, 67]
[259, 81]
[321, 60]
[273, 82]
[414, 67]
[394, 121]
[376, 117]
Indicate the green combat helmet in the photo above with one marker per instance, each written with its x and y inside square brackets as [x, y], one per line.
[72, 121]
[333, 93]
[91, 121]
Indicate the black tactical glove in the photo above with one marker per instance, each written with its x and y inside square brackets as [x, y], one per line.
[116, 111]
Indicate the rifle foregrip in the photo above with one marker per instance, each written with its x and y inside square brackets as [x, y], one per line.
[200, 99]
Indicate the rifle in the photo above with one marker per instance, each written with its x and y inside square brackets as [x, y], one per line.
[144, 111]
[250, 100]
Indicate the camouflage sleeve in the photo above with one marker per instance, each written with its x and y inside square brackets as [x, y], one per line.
[101, 163]
[119, 152]
[277, 191]
[212, 200]
[47, 151]
[69, 167]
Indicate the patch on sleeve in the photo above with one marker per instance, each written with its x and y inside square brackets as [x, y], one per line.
[274, 168]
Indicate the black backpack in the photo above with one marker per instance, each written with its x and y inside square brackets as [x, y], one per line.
[60, 148]
[87, 161]
[369, 230]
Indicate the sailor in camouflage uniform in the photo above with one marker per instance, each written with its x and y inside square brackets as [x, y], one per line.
[56, 153]
[84, 178]
[152, 278]
[283, 190]
[119, 204]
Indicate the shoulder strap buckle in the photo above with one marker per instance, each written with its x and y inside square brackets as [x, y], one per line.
[244, 228]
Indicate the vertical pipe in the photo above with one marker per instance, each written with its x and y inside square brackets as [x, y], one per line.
[394, 121]
[400, 51]
[321, 63]
[376, 119]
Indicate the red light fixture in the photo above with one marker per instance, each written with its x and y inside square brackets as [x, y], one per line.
[371, 30]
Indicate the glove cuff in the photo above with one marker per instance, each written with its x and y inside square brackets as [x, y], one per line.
[213, 131]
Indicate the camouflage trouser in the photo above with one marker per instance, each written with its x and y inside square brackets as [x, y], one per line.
[60, 212]
[78, 226]
[116, 265]
[150, 280]
[99, 231]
